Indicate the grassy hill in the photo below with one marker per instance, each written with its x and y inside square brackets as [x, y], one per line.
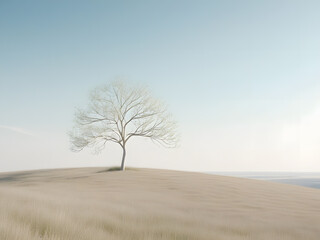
[91, 203]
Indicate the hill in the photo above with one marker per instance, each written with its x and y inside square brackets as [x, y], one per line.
[92, 203]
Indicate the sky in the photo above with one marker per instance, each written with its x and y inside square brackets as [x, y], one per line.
[242, 78]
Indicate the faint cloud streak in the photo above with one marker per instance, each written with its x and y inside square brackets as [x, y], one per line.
[17, 130]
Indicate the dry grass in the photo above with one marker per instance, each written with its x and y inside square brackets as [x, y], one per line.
[91, 203]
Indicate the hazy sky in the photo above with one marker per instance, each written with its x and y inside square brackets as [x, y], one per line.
[241, 77]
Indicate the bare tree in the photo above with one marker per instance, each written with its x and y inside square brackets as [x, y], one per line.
[117, 113]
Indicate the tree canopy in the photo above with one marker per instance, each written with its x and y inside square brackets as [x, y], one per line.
[118, 112]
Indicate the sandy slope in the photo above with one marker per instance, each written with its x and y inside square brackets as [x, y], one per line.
[88, 203]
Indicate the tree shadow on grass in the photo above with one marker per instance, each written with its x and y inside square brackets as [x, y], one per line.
[13, 177]
[114, 169]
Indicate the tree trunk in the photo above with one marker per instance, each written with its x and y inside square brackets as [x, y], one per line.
[123, 158]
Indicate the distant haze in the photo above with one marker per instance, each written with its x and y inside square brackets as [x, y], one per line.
[242, 78]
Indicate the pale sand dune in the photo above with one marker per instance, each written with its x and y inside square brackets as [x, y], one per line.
[86, 203]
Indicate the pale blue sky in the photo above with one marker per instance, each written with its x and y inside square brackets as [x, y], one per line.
[241, 76]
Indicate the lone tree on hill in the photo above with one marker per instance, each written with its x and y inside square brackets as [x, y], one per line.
[117, 113]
